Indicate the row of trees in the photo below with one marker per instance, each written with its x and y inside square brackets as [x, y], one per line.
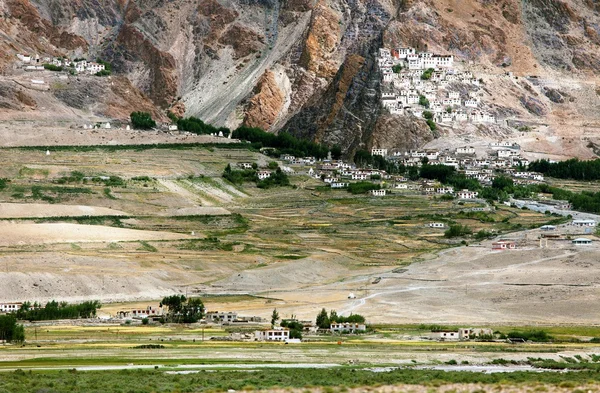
[285, 143]
[197, 126]
[569, 169]
[55, 310]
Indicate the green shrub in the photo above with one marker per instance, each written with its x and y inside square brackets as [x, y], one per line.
[142, 120]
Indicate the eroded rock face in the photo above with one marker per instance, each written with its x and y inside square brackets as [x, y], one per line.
[400, 132]
[304, 66]
[264, 107]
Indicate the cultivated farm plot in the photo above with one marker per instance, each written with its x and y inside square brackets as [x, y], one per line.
[178, 227]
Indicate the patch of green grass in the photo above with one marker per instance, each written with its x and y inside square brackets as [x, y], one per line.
[290, 256]
[107, 193]
[147, 247]
[33, 172]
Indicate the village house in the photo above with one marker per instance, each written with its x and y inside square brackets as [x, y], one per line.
[10, 307]
[379, 152]
[377, 192]
[581, 241]
[221, 317]
[339, 185]
[347, 327]
[465, 150]
[508, 153]
[446, 335]
[140, 313]
[466, 194]
[504, 245]
[262, 175]
[583, 223]
[275, 334]
[244, 165]
[436, 225]
[472, 333]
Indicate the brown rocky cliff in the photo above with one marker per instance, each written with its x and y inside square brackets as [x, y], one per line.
[264, 107]
[161, 84]
[319, 55]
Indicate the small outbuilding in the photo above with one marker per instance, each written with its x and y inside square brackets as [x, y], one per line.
[582, 241]
[504, 245]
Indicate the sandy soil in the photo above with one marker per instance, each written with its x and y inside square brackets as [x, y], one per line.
[14, 134]
[25, 210]
[23, 234]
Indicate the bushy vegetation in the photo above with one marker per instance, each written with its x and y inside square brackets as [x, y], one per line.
[277, 179]
[458, 230]
[531, 335]
[107, 65]
[362, 187]
[52, 67]
[9, 329]
[431, 124]
[182, 310]
[142, 121]
[423, 101]
[294, 326]
[239, 176]
[55, 310]
[339, 378]
[427, 74]
[397, 68]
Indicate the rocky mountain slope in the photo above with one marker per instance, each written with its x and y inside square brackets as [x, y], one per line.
[307, 66]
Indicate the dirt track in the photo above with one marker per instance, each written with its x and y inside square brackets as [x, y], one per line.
[26, 210]
[33, 234]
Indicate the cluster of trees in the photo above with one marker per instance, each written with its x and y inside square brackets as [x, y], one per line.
[458, 230]
[397, 68]
[294, 326]
[10, 331]
[52, 67]
[569, 169]
[325, 320]
[284, 143]
[278, 178]
[197, 126]
[55, 310]
[142, 120]
[362, 187]
[237, 176]
[182, 310]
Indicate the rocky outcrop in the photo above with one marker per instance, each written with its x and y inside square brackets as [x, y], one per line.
[266, 104]
[319, 55]
[400, 132]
